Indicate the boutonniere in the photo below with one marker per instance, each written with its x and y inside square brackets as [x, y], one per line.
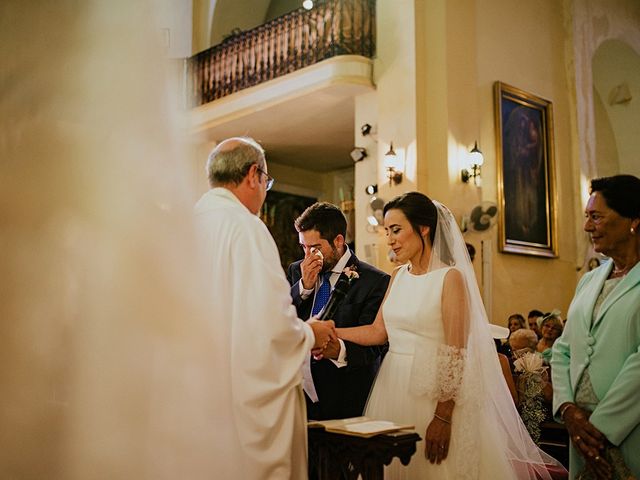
[351, 273]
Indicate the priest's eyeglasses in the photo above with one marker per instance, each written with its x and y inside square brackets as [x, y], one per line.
[270, 179]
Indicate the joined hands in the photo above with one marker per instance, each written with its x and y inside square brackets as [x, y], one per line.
[324, 331]
[587, 440]
[326, 346]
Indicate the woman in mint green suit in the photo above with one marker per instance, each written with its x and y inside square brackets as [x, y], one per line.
[596, 361]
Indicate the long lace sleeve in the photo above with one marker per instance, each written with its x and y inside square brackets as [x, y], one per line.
[450, 363]
[440, 373]
[452, 355]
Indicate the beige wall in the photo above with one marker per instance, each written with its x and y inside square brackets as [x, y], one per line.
[606, 148]
[615, 63]
[333, 186]
[214, 19]
[462, 48]
[391, 112]
[366, 173]
[525, 53]
[434, 98]
[281, 7]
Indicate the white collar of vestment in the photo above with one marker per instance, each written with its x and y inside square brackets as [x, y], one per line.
[222, 192]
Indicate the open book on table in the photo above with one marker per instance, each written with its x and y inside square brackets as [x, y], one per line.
[359, 426]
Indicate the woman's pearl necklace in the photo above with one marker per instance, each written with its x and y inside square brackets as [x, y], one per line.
[620, 272]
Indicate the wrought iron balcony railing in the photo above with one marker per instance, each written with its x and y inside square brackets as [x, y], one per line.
[283, 45]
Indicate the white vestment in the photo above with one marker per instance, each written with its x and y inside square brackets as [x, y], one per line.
[262, 342]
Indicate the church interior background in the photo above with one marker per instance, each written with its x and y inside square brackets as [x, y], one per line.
[329, 92]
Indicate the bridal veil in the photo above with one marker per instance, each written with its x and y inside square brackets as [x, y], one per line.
[468, 369]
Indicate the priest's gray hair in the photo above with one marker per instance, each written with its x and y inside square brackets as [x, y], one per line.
[231, 159]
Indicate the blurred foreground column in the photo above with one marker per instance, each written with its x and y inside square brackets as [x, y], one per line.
[106, 351]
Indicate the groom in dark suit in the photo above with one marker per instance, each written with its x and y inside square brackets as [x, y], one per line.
[337, 386]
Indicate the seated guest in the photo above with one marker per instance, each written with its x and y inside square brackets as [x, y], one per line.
[532, 320]
[522, 341]
[500, 333]
[551, 329]
[515, 322]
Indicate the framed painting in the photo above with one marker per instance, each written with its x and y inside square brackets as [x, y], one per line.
[526, 179]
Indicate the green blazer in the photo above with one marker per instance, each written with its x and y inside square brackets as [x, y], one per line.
[611, 349]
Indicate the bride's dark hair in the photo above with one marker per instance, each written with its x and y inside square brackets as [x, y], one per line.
[419, 210]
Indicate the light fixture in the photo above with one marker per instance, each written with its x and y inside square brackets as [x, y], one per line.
[358, 154]
[365, 129]
[307, 4]
[620, 94]
[392, 164]
[476, 159]
[371, 189]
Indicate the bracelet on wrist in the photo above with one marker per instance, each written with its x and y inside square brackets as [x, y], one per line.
[442, 418]
[564, 409]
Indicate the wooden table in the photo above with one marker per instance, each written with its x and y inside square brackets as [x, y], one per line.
[334, 456]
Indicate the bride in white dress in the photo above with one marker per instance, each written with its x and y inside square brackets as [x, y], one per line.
[442, 373]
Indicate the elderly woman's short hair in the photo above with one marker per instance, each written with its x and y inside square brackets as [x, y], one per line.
[620, 192]
[231, 159]
[525, 336]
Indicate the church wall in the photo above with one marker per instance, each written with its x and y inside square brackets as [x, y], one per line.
[614, 64]
[391, 112]
[522, 44]
[281, 7]
[434, 72]
[606, 148]
[463, 48]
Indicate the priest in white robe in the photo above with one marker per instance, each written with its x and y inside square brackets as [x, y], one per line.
[261, 342]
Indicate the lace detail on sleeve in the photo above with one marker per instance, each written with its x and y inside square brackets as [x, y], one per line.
[439, 373]
[450, 362]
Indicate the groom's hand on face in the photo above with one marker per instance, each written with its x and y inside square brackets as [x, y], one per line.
[310, 268]
[324, 331]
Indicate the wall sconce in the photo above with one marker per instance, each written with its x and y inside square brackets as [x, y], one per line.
[393, 165]
[358, 154]
[371, 189]
[476, 159]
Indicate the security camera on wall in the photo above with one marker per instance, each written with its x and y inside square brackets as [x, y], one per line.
[358, 154]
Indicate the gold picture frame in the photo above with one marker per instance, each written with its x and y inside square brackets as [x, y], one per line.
[526, 172]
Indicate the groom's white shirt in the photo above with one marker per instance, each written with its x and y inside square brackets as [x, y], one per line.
[260, 342]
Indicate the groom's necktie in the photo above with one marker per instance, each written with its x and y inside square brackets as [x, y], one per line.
[322, 295]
